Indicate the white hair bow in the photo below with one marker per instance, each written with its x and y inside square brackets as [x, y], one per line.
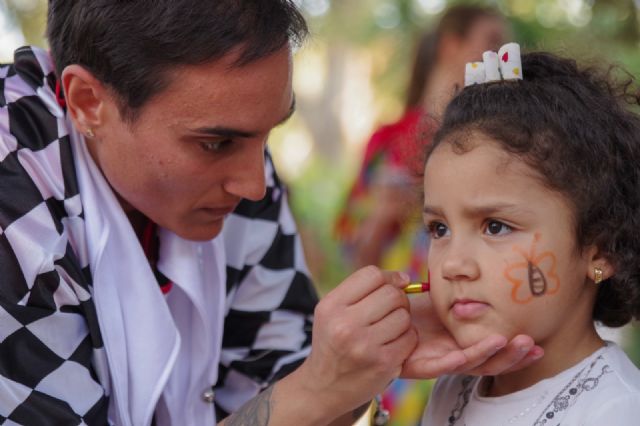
[504, 65]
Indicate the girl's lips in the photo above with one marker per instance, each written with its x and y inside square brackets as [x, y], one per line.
[468, 309]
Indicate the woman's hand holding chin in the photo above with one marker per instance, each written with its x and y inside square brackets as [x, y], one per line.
[437, 352]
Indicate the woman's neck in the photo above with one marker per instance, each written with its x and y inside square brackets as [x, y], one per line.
[138, 221]
[561, 353]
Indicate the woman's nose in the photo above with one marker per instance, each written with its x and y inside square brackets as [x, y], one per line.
[248, 180]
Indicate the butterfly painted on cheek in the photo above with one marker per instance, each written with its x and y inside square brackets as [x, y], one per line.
[535, 276]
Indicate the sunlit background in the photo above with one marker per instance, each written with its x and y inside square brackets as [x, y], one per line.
[352, 74]
[350, 77]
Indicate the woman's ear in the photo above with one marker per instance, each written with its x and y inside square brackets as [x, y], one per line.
[85, 96]
[599, 267]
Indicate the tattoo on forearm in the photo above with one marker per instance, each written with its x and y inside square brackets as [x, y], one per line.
[256, 412]
[358, 412]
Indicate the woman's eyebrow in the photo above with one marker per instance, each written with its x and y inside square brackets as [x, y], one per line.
[222, 131]
[230, 132]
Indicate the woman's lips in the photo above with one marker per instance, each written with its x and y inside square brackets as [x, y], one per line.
[466, 309]
[216, 213]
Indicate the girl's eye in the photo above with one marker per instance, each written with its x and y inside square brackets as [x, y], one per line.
[215, 146]
[495, 227]
[438, 230]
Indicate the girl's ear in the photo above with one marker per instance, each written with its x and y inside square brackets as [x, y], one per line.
[596, 261]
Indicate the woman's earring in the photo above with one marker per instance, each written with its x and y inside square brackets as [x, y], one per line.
[597, 275]
[90, 133]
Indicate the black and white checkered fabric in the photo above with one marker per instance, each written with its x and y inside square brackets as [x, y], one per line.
[267, 330]
[53, 367]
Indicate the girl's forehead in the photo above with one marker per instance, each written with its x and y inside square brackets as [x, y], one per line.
[474, 147]
[480, 166]
[485, 174]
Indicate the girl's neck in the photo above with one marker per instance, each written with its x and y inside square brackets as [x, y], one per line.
[561, 353]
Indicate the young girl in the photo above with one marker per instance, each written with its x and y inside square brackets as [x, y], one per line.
[532, 200]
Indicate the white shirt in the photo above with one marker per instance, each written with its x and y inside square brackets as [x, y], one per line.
[170, 351]
[601, 390]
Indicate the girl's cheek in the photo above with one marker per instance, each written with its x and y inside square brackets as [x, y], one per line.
[532, 273]
[438, 295]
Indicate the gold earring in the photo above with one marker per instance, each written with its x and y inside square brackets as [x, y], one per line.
[90, 133]
[597, 274]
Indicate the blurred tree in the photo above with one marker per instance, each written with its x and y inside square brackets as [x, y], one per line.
[31, 16]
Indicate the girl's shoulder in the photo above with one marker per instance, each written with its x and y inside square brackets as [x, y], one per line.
[607, 392]
[625, 375]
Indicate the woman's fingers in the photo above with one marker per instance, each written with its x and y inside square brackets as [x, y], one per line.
[400, 348]
[390, 327]
[491, 356]
[451, 359]
[516, 354]
[362, 335]
[534, 354]
[380, 303]
[428, 368]
[363, 282]
[480, 352]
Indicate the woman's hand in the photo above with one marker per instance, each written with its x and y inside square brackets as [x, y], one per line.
[437, 353]
[362, 335]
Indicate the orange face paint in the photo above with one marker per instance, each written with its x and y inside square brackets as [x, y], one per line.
[538, 270]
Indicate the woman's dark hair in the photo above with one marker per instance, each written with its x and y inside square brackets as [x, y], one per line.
[132, 45]
[456, 20]
[573, 127]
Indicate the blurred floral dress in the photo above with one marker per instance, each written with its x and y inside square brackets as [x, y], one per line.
[392, 163]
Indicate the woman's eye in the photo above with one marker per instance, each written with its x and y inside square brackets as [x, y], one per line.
[495, 227]
[215, 146]
[438, 230]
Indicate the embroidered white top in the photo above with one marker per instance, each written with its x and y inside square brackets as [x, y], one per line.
[603, 389]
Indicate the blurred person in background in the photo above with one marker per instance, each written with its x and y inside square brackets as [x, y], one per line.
[380, 223]
[384, 194]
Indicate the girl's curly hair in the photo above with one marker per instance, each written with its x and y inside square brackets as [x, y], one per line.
[575, 127]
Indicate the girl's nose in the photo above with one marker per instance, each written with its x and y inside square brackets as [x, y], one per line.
[459, 263]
